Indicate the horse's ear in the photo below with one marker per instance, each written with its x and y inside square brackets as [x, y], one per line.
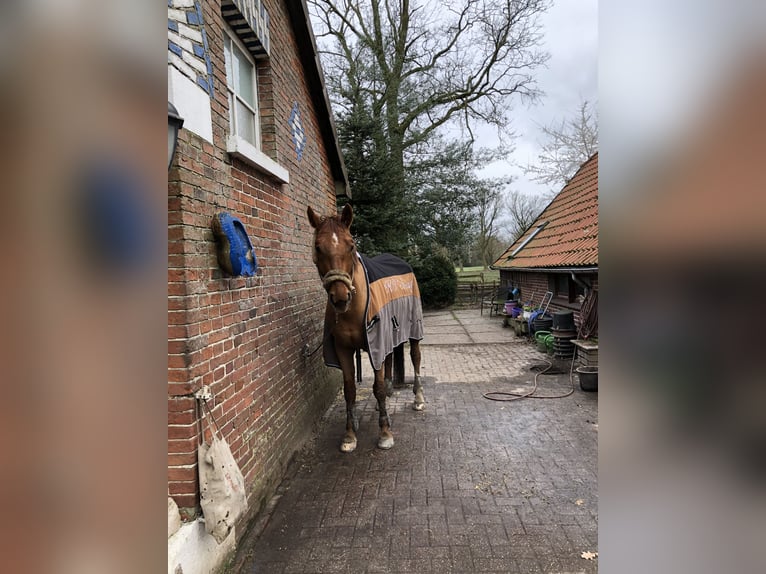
[314, 219]
[347, 215]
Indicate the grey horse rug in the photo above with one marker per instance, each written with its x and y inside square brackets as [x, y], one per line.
[394, 313]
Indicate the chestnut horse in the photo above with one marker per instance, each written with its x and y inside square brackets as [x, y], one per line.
[344, 279]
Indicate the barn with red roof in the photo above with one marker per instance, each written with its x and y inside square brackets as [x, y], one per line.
[559, 251]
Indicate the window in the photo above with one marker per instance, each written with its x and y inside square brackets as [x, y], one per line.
[564, 288]
[244, 141]
[243, 92]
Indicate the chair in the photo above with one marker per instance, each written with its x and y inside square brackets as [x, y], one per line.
[494, 300]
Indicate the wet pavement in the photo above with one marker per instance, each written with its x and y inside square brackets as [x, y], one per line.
[471, 485]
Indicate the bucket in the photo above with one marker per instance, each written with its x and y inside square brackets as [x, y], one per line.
[563, 321]
[540, 338]
[588, 378]
[515, 312]
[543, 323]
[509, 305]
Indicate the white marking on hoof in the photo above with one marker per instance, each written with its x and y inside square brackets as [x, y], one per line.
[348, 445]
[385, 442]
[420, 401]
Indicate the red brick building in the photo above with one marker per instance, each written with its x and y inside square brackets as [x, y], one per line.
[559, 251]
[259, 143]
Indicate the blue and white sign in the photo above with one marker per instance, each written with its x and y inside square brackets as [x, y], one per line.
[296, 128]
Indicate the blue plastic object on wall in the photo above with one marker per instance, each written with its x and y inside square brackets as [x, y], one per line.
[235, 252]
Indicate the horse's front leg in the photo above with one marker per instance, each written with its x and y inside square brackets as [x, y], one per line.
[348, 444]
[386, 439]
[387, 375]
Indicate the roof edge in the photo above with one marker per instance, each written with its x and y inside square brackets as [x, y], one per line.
[307, 48]
[528, 234]
[583, 269]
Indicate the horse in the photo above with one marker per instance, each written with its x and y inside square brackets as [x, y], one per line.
[362, 314]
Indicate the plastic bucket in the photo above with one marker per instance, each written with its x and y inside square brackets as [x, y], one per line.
[543, 323]
[509, 307]
[515, 312]
[588, 378]
[563, 321]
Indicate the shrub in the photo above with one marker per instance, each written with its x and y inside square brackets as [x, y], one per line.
[437, 280]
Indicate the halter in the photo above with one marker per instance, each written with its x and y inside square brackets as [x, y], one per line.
[334, 275]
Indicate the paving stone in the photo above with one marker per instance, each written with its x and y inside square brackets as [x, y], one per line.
[471, 485]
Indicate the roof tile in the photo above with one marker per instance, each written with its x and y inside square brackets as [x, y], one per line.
[571, 236]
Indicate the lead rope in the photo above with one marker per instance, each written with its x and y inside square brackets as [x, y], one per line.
[306, 352]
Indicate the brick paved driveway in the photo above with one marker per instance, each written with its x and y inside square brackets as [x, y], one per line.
[471, 485]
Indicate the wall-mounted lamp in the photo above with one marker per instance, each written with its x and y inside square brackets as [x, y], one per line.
[175, 123]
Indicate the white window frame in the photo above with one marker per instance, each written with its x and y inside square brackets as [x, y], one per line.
[236, 145]
[234, 97]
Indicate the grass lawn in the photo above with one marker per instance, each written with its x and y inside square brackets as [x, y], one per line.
[471, 274]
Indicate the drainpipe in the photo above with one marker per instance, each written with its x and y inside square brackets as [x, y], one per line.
[580, 282]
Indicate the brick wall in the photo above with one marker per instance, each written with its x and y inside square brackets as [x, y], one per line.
[536, 284]
[243, 336]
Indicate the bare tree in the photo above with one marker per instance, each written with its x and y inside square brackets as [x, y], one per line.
[566, 148]
[495, 247]
[522, 210]
[419, 64]
[490, 206]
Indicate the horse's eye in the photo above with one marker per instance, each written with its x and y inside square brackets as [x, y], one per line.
[316, 248]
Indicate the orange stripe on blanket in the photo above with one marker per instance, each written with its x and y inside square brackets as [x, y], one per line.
[387, 289]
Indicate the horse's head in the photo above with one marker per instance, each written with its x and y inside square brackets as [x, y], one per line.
[335, 255]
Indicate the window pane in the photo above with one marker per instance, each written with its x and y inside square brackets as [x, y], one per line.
[559, 284]
[244, 78]
[246, 123]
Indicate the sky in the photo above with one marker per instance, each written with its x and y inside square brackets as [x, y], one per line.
[570, 36]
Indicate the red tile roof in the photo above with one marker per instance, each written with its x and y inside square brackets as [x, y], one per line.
[570, 237]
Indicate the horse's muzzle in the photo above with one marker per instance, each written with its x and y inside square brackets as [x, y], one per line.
[332, 282]
[341, 306]
[340, 297]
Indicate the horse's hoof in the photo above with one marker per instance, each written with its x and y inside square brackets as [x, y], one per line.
[348, 445]
[386, 442]
[418, 406]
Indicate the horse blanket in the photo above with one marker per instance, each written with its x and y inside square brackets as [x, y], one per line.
[394, 313]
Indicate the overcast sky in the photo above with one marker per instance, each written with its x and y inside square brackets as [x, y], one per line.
[570, 36]
[570, 29]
